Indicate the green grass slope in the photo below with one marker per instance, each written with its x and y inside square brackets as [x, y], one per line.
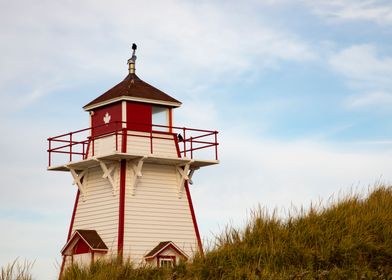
[348, 239]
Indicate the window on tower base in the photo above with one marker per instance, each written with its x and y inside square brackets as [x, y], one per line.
[166, 262]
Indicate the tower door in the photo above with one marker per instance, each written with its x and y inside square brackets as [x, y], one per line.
[139, 116]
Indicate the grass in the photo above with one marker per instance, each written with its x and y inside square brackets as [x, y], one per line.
[347, 239]
[16, 271]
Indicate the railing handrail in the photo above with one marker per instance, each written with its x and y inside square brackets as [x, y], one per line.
[72, 146]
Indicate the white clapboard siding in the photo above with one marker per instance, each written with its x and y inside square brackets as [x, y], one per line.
[155, 213]
[138, 143]
[99, 210]
[105, 145]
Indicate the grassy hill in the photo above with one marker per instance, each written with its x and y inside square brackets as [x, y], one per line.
[347, 239]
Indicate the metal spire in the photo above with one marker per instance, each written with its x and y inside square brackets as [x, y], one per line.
[132, 60]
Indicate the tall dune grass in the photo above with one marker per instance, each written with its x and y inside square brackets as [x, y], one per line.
[16, 271]
[347, 239]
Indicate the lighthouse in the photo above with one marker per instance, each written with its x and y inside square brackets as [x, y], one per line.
[132, 171]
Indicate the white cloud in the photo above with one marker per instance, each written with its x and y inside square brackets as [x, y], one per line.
[379, 12]
[363, 66]
[60, 42]
[366, 72]
[372, 99]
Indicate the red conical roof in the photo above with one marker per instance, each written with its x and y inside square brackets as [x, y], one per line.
[132, 88]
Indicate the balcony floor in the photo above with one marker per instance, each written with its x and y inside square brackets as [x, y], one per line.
[117, 156]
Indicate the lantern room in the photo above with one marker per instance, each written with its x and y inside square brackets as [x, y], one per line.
[132, 104]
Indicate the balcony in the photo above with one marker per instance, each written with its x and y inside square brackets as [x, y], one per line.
[158, 144]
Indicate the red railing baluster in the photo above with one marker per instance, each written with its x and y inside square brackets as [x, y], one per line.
[216, 145]
[50, 151]
[124, 141]
[70, 146]
[116, 136]
[191, 148]
[151, 144]
[184, 140]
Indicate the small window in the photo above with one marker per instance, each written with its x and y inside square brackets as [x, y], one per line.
[166, 262]
[160, 116]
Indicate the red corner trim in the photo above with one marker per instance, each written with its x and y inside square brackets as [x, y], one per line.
[120, 244]
[70, 230]
[62, 268]
[170, 120]
[177, 147]
[188, 195]
[73, 215]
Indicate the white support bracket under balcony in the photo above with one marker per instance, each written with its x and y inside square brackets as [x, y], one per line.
[135, 172]
[183, 174]
[109, 171]
[190, 175]
[78, 181]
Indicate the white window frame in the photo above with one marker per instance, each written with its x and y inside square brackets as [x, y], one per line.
[165, 111]
[168, 261]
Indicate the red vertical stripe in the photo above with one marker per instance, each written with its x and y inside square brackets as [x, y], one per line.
[70, 229]
[188, 195]
[120, 244]
[73, 215]
[170, 120]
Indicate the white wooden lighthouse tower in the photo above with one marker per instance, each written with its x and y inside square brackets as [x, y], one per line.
[132, 169]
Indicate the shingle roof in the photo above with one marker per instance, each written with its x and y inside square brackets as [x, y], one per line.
[161, 247]
[133, 87]
[93, 239]
[157, 248]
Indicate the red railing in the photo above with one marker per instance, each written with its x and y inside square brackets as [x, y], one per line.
[80, 144]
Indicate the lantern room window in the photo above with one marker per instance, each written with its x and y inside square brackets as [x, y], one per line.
[160, 116]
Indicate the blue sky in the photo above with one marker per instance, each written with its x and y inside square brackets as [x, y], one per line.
[300, 91]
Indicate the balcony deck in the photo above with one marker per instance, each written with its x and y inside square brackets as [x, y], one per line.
[117, 156]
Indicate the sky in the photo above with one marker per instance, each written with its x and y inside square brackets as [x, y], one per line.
[300, 92]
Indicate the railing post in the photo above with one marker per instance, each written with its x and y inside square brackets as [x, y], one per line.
[124, 141]
[83, 153]
[151, 144]
[183, 131]
[93, 149]
[191, 148]
[70, 146]
[116, 132]
[116, 140]
[216, 145]
[50, 151]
